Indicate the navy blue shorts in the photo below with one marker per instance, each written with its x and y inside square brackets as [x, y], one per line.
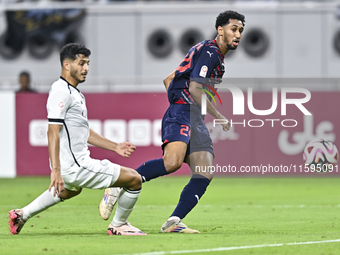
[182, 122]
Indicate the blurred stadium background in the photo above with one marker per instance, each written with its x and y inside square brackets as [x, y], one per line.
[135, 44]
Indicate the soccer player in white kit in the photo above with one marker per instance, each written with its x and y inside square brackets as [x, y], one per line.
[72, 168]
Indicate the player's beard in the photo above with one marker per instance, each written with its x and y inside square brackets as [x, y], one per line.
[75, 75]
[231, 46]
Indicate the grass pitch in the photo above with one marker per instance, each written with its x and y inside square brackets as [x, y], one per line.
[235, 212]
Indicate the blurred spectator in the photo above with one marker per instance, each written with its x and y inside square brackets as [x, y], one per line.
[25, 83]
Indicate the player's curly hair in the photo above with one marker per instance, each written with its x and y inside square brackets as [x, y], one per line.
[71, 50]
[223, 18]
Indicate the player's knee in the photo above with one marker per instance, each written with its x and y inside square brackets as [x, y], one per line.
[208, 175]
[171, 165]
[135, 182]
[76, 193]
[67, 194]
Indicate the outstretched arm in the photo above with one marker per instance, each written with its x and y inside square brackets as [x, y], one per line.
[196, 94]
[53, 149]
[123, 149]
[168, 80]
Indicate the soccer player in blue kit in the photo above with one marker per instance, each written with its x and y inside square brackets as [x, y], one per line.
[184, 134]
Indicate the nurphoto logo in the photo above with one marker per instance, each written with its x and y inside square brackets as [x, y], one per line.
[239, 104]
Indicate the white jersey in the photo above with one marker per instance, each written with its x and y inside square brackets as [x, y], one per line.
[66, 106]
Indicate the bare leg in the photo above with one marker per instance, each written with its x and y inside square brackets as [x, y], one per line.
[129, 179]
[174, 153]
[204, 160]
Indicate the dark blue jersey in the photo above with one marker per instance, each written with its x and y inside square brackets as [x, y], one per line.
[204, 64]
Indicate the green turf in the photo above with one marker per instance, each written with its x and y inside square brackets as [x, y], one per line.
[234, 212]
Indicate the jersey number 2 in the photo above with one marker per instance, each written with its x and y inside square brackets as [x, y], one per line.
[185, 130]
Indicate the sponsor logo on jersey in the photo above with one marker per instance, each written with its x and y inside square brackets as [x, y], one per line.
[204, 70]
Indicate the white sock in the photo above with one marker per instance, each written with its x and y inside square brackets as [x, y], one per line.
[126, 202]
[41, 203]
[174, 218]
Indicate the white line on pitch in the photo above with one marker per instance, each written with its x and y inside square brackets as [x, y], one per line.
[254, 206]
[234, 248]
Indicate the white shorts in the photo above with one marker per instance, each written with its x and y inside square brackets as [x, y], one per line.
[92, 174]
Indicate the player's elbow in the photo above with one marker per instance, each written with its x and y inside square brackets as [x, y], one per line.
[195, 87]
[195, 93]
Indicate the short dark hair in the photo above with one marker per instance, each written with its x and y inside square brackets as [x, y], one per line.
[71, 50]
[25, 73]
[224, 17]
